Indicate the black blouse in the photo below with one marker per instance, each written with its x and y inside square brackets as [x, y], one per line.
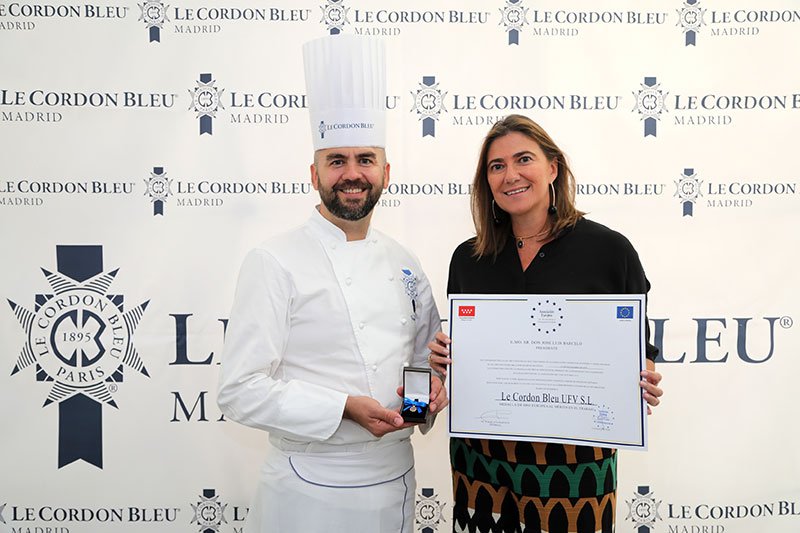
[588, 258]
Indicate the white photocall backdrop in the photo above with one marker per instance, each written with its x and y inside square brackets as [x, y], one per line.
[169, 138]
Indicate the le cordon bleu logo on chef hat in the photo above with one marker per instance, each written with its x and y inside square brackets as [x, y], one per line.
[346, 89]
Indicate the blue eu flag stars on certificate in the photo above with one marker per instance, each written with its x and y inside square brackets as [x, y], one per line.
[625, 311]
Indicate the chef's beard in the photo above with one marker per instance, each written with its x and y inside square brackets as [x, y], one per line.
[350, 210]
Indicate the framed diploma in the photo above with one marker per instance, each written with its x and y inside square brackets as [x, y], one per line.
[549, 368]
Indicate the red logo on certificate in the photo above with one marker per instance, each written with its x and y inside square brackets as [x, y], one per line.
[466, 310]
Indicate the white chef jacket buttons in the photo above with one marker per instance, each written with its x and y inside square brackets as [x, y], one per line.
[348, 281]
[361, 325]
[374, 368]
[391, 278]
[403, 321]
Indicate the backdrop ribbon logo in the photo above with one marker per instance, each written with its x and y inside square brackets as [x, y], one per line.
[154, 15]
[513, 16]
[209, 513]
[429, 104]
[334, 15]
[650, 103]
[428, 511]
[80, 339]
[687, 188]
[690, 18]
[643, 509]
[206, 102]
[159, 187]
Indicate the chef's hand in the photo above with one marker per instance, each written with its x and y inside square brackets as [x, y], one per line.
[439, 357]
[438, 399]
[372, 416]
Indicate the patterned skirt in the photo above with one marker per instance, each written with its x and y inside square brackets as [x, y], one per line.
[532, 487]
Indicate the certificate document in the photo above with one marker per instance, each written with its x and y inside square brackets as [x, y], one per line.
[550, 368]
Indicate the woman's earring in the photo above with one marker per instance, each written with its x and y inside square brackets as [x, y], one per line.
[552, 210]
[494, 213]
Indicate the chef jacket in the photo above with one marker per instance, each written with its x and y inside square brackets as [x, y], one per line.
[317, 318]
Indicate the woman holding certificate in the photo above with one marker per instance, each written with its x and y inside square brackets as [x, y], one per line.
[532, 240]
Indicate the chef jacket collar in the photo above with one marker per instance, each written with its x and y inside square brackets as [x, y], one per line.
[328, 231]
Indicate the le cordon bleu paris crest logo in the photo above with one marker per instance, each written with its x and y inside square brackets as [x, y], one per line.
[513, 16]
[79, 340]
[154, 15]
[429, 104]
[334, 15]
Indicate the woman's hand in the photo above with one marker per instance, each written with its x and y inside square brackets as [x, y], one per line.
[439, 357]
[651, 392]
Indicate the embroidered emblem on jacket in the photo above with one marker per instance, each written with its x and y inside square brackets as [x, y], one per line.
[410, 283]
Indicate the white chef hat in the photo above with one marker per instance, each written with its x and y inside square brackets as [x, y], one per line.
[346, 91]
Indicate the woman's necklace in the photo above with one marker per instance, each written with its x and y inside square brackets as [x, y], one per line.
[521, 240]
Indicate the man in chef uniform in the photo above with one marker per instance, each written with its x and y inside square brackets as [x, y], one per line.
[324, 319]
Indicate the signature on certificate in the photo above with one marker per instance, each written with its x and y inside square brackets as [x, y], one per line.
[496, 417]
